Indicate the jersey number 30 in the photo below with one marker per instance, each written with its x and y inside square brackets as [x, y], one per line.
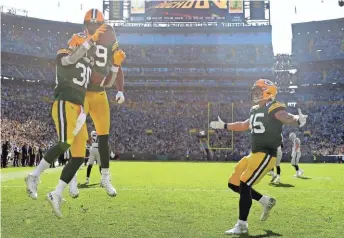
[84, 76]
[257, 126]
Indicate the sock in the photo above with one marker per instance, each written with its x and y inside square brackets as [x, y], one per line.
[60, 187]
[104, 152]
[104, 171]
[74, 180]
[278, 176]
[89, 168]
[272, 170]
[296, 167]
[245, 201]
[264, 200]
[278, 170]
[242, 222]
[70, 169]
[55, 151]
[100, 169]
[255, 195]
[43, 165]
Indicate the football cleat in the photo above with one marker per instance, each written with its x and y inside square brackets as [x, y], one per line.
[31, 185]
[73, 189]
[106, 184]
[55, 201]
[299, 173]
[267, 208]
[277, 180]
[238, 229]
[273, 177]
[87, 181]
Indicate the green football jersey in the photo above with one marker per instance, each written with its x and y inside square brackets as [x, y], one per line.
[72, 80]
[265, 128]
[102, 64]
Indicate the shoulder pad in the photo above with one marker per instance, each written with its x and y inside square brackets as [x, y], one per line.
[63, 51]
[275, 105]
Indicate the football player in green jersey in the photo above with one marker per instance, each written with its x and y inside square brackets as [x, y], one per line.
[265, 122]
[73, 71]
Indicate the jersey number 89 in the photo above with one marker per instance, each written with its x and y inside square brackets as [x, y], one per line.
[101, 54]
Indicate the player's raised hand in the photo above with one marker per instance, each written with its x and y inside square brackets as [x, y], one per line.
[302, 118]
[120, 97]
[219, 124]
[95, 37]
[118, 57]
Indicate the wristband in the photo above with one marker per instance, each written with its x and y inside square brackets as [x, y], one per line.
[114, 68]
[225, 126]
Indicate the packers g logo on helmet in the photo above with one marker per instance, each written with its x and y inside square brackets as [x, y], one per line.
[263, 89]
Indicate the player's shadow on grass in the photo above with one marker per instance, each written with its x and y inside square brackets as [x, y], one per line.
[269, 233]
[82, 186]
[304, 178]
[281, 185]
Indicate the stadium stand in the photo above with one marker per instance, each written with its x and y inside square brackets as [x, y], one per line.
[170, 82]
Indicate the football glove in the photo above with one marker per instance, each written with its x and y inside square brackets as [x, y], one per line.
[118, 57]
[302, 118]
[120, 97]
[219, 124]
[95, 37]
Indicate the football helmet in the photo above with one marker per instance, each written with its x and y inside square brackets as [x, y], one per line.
[263, 89]
[292, 136]
[92, 20]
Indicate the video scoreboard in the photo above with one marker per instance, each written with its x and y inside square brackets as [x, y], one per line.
[188, 11]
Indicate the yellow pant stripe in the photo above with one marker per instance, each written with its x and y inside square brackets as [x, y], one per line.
[259, 170]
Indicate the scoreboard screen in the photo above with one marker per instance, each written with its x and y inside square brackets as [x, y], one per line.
[195, 10]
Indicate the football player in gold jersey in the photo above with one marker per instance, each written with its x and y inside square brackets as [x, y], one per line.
[265, 122]
[108, 60]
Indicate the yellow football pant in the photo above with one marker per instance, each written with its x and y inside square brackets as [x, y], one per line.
[65, 116]
[252, 168]
[97, 104]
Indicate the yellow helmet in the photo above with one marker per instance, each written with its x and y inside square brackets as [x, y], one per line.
[93, 20]
[94, 16]
[263, 89]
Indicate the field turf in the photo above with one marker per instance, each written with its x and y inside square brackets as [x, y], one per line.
[175, 199]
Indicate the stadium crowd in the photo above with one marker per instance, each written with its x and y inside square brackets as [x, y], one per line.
[167, 120]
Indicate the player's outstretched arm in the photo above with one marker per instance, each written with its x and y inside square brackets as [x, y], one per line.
[290, 119]
[77, 54]
[235, 126]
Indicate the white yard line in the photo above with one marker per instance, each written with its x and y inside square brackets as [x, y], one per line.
[22, 174]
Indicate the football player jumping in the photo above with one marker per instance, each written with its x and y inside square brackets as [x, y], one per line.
[108, 60]
[73, 72]
[265, 124]
[94, 156]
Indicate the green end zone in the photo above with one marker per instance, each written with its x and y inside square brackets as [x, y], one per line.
[220, 140]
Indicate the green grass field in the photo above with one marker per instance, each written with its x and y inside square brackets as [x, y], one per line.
[175, 199]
